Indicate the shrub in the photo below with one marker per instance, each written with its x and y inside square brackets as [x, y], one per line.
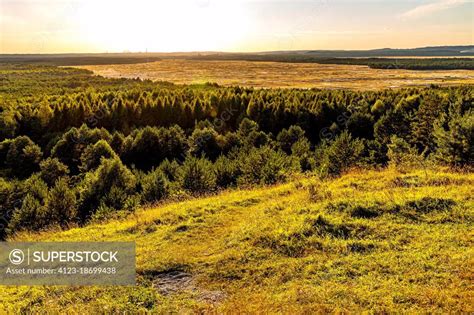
[246, 126]
[72, 143]
[30, 212]
[341, 154]
[109, 186]
[204, 142]
[378, 107]
[23, 157]
[230, 141]
[151, 146]
[301, 150]
[264, 166]
[11, 196]
[61, 205]
[155, 186]
[170, 169]
[287, 138]
[402, 156]
[51, 170]
[227, 172]
[456, 144]
[29, 216]
[117, 142]
[257, 139]
[8, 124]
[197, 175]
[92, 155]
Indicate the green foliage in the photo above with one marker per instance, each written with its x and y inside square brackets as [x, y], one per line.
[246, 126]
[287, 138]
[92, 155]
[205, 142]
[155, 186]
[8, 124]
[170, 169]
[264, 166]
[197, 176]
[110, 186]
[378, 107]
[227, 171]
[402, 156]
[31, 212]
[456, 142]
[11, 197]
[341, 154]
[71, 145]
[301, 150]
[81, 131]
[394, 122]
[51, 170]
[23, 156]
[29, 216]
[61, 205]
[148, 147]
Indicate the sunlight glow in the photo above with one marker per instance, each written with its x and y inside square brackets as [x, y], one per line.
[163, 25]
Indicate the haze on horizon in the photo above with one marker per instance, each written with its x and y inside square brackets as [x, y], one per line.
[63, 26]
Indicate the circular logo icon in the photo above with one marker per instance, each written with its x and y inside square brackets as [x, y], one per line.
[16, 256]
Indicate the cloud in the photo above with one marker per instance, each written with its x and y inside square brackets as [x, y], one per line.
[430, 8]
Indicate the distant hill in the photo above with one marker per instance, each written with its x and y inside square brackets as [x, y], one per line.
[317, 56]
[444, 51]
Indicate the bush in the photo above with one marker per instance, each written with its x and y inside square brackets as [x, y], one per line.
[170, 169]
[197, 175]
[111, 185]
[456, 144]
[204, 142]
[301, 150]
[151, 146]
[341, 154]
[264, 166]
[402, 156]
[61, 205]
[92, 155]
[23, 157]
[51, 170]
[117, 142]
[246, 126]
[8, 124]
[227, 172]
[11, 196]
[155, 186]
[29, 216]
[287, 138]
[72, 143]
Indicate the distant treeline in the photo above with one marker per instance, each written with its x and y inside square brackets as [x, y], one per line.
[375, 63]
[78, 59]
[371, 58]
[75, 147]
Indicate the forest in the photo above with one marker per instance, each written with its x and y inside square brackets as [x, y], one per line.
[76, 148]
[408, 63]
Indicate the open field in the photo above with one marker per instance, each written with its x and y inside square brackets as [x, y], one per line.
[282, 75]
[368, 241]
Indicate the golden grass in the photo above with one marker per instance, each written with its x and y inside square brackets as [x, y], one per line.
[282, 75]
[290, 249]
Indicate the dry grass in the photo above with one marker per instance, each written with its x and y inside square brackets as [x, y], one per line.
[282, 75]
[379, 242]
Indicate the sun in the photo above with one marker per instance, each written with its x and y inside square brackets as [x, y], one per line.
[183, 25]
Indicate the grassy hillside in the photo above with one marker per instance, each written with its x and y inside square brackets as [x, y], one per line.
[380, 241]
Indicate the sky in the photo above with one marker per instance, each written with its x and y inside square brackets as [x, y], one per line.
[66, 26]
